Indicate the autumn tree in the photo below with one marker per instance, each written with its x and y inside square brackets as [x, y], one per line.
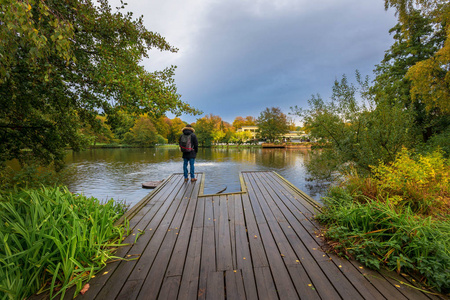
[247, 121]
[272, 124]
[63, 62]
[430, 79]
[175, 127]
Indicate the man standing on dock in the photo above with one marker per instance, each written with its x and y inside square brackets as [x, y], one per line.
[189, 146]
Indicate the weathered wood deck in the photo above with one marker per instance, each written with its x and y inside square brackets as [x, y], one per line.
[261, 243]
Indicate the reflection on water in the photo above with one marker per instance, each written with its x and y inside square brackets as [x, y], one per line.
[119, 173]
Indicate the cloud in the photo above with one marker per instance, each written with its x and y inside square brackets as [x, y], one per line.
[238, 57]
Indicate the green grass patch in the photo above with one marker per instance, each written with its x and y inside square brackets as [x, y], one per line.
[398, 218]
[51, 239]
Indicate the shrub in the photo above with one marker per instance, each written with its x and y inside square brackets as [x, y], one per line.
[422, 183]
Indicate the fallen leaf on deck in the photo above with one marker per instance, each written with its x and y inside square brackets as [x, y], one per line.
[84, 289]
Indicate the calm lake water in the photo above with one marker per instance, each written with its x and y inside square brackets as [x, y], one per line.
[119, 173]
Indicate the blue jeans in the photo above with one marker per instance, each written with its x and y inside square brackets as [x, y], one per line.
[191, 162]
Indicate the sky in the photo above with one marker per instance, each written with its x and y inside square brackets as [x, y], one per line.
[238, 57]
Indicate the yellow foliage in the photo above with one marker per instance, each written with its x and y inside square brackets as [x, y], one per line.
[422, 183]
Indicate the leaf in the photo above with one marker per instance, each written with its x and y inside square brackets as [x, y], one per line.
[85, 289]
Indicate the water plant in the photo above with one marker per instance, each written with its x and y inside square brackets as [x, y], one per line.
[51, 239]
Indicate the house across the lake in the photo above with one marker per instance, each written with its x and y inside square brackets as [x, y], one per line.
[291, 136]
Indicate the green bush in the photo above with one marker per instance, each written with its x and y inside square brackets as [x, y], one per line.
[51, 239]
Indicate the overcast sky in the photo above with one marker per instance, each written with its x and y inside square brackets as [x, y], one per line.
[237, 57]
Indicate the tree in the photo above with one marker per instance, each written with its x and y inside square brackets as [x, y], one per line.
[241, 137]
[63, 62]
[100, 133]
[175, 127]
[430, 79]
[415, 40]
[142, 134]
[120, 123]
[359, 134]
[240, 121]
[204, 129]
[272, 124]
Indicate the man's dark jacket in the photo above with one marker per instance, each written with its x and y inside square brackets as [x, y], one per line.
[194, 142]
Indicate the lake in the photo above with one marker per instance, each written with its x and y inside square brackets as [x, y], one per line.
[119, 173]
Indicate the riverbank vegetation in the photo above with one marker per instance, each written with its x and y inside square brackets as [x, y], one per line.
[51, 240]
[388, 147]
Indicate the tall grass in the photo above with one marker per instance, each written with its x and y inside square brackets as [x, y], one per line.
[398, 218]
[51, 240]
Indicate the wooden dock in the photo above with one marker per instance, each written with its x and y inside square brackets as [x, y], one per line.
[260, 243]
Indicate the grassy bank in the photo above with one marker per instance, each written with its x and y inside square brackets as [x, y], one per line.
[51, 239]
[398, 218]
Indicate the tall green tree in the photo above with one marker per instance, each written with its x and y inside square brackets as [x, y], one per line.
[143, 133]
[272, 124]
[204, 130]
[62, 62]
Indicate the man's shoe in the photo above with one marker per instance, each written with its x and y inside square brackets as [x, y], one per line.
[186, 179]
[193, 179]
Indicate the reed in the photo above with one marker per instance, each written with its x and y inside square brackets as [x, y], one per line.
[51, 239]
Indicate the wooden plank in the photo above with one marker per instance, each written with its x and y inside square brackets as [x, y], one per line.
[170, 288]
[231, 202]
[190, 279]
[234, 285]
[258, 255]
[208, 253]
[223, 248]
[265, 284]
[215, 286]
[243, 250]
[257, 210]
